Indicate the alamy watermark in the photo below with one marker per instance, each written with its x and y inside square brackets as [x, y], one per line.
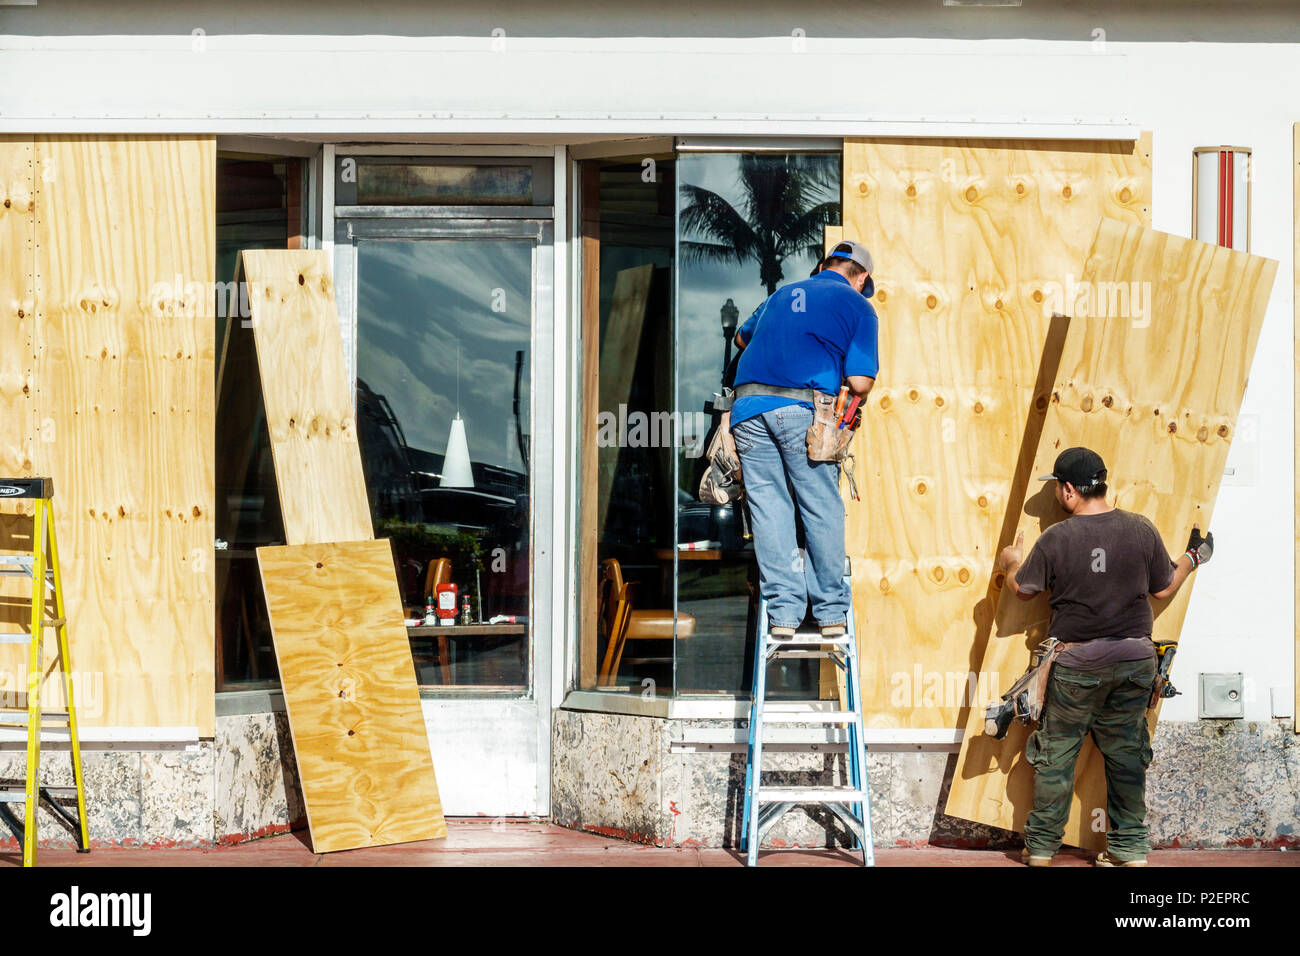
[638, 429]
[1099, 300]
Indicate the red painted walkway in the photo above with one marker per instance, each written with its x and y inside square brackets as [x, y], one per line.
[482, 843]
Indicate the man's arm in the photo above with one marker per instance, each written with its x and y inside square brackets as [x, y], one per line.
[1009, 562]
[860, 385]
[1182, 570]
[745, 334]
[1199, 550]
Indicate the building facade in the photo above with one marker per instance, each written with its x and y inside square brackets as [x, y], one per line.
[543, 226]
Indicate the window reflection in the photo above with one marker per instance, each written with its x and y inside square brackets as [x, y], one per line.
[674, 579]
[747, 224]
[443, 394]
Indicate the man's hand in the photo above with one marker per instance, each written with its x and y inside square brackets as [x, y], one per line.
[1200, 548]
[1012, 556]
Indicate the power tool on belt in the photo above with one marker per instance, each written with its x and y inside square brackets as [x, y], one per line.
[1024, 701]
[1165, 651]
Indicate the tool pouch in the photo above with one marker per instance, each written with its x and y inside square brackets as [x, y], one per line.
[722, 482]
[826, 441]
[1037, 687]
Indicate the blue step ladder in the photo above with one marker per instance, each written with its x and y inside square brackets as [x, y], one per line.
[850, 803]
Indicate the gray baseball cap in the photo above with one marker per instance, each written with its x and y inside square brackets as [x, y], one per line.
[857, 252]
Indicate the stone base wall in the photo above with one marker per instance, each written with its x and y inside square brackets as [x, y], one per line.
[1212, 784]
[239, 785]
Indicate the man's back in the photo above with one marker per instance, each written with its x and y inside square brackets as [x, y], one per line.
[1099, 569]
[808, 334]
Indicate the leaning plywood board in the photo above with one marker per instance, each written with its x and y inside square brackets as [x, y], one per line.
[975, 244]
[17, 405]
[125, 253]
[620, 346]
[307, 395]
[351, 695]
[1156, 392]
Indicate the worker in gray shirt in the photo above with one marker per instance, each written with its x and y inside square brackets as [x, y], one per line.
[1099, 565]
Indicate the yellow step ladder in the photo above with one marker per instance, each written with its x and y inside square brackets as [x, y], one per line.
[42, 566]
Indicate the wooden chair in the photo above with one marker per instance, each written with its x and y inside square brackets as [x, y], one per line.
[612, 615]
[626, 624]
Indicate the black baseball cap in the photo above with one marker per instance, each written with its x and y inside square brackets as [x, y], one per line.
[1081, 467]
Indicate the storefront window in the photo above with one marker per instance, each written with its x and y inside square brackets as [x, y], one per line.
[735, 226]
[443, 392]
[259, 206]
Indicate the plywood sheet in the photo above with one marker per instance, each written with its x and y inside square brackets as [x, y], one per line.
[123, 388]
[351, 695]
[1156, 394]
[975, 245]
[17, 407]
[307, 394]
[619, 348]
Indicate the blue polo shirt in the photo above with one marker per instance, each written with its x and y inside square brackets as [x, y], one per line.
[808, 334]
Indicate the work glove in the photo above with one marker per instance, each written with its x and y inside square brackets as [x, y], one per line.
[1200, 548]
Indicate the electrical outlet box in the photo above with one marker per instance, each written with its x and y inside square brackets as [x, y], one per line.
[1222, 696]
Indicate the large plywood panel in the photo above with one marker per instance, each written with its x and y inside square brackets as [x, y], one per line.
[975, 244]
[17, 367]
[307, 394]
[351, 695]
[1156, 394]
[125, 251]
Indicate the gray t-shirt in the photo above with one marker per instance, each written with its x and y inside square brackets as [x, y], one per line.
[1099, 569]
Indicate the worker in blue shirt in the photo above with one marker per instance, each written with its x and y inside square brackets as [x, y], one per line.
[809, 336]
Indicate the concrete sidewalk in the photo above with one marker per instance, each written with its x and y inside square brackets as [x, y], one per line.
[486, 843]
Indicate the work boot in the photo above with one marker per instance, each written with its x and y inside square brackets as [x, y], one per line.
[1105, 859]
[832, 630]
[1034, 859]
[782, 633]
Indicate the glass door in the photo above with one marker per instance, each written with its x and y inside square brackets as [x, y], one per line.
[451, 325]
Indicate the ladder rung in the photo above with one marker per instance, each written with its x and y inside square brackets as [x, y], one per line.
[809, 637]
[18, 720]
[811, 717]
[782, 655]
[55, 621]
[810, 795]
[17, 792]
[15, 638]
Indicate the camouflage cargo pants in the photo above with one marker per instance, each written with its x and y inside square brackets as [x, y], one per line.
[1109, 703]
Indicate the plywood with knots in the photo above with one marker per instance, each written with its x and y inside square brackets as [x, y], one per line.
[307, 395]
[975, 244]
[1156, 392]
[350, 693]
[17, 367]
[123, 386]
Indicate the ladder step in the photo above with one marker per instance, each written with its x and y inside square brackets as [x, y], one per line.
[17, 793]
[782, 655]
[15, 638]
[19, 720]
[810, 795]
[56, 621]
[811, 717]
[808, 637]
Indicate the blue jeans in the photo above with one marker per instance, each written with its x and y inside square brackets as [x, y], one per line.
[772, 449]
